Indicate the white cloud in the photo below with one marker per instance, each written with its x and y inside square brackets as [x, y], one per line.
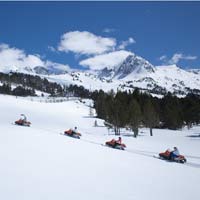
[108, 30]
[176, 58]
[57, 66]
[16, 59]
[179, 56]
[163, 58]
[125, 43]
[105, 60]
[86, 43]
[51, 48]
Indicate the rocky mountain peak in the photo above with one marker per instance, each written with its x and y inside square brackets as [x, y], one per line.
[134, 64]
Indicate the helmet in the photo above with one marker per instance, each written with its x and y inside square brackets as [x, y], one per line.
[175, 148]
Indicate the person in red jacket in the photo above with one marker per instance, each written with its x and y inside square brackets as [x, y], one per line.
[119, 141]
[114, 142]
[72, 131]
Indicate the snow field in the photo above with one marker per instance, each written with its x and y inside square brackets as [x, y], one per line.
[38, 162]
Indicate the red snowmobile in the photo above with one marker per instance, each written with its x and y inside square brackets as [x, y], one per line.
[21, 122]
[167, 156]
[116, 144]
[73, 134]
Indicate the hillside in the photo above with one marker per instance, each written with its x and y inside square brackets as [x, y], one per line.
[38, 162]
[133, 72]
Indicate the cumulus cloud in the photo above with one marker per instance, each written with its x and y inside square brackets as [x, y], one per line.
[86, 43]
[16, 59]
[125, 43]
[52, 48]
[11, 56]
[57, 66]
[163, 58]
[108, 60]
[176, 58]
[108, 30]
[179, 56]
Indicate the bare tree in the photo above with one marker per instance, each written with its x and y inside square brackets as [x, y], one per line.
[150, 116]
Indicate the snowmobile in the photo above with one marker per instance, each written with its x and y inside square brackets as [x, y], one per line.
[116, 145]
[167, 156]
[73, 134]
[21, 122]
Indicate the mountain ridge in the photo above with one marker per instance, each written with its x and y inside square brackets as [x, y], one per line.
[134, 72]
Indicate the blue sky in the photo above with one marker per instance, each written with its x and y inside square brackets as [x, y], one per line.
[161, 32]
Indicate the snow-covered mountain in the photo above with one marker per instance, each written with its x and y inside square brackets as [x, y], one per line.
[134, 72]
[40, 70]
[133, 65]
[195, 71]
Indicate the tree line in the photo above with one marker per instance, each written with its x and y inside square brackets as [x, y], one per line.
[136, 109]
[26, 85]
[17, 91]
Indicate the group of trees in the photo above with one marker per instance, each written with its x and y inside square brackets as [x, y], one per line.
[26, 85]
[17, 91]
[77, 91]
[133, 110]
[30, 81]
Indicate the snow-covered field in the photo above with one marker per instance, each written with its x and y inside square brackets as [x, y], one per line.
[38, 163]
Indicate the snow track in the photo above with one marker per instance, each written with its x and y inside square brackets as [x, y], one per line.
[150, 154]
[142, 152]
[37, 162]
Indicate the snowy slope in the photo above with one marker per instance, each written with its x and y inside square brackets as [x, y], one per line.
[50, 69]
[134, 72]
[134, 65]
[40, 163]
[168, 78]
[172, 78]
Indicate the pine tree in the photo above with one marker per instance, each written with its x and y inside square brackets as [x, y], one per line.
[150, 115]
[134, 116]
[91, 113]
[173, 116]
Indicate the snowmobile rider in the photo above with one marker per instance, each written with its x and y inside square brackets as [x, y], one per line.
[119, 141]
[23, 118]
[114, 142]
[175, 153]
[75, 130]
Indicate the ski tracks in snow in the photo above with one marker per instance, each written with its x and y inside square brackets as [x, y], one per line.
[132, 151]
[144, 153]
[192, 164]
